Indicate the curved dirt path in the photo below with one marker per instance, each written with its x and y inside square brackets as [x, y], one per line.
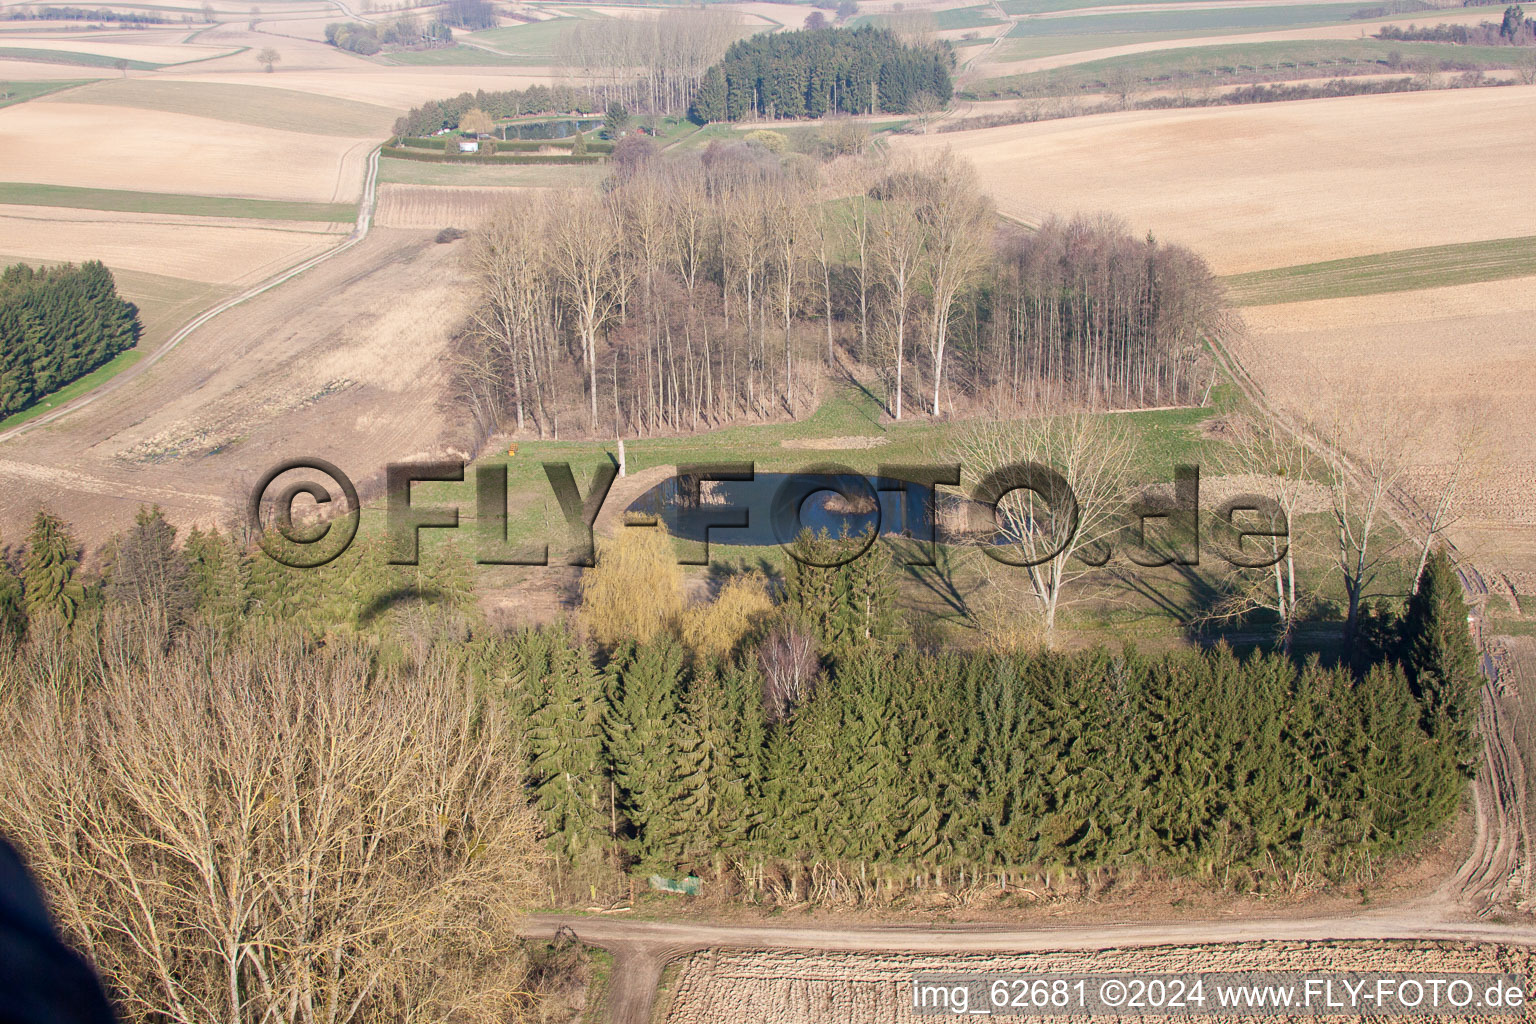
[364, 223]
[642, 949]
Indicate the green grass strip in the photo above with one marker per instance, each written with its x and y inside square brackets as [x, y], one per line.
[1435, 266]
[86, 60]
[19, 92]
[26, 194]
[74, 389]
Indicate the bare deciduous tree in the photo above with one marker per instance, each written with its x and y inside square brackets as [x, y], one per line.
[1281, 468]
[790, 667]
[282, 832]
[585, 258]
[1038, 541]
[1366, 461]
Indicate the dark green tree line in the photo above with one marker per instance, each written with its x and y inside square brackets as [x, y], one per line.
[815, 72]
[56, 325]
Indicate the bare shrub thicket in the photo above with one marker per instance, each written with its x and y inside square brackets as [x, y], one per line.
[273, 830]
[715, 287]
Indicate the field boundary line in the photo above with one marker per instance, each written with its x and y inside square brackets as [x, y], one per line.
[359, 232]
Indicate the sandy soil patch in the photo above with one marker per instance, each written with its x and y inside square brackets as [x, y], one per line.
[852, 988]
[155, 151]
[1278, 184]
[436, 206]
[213, 250]
[1441, 359]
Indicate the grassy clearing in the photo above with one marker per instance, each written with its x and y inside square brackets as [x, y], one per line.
[73, 390]
[414, 172]
[1253, 19]
[1241, 62]
[955, 18]
[459, 56]
[1406, 270]
[84, 60]
[539, 39]
[19, 92]
[1165, 437]
[1150, 606]
[122, 201]
[261, 107]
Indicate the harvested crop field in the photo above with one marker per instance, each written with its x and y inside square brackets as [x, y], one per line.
[422, 172]
[149, 53]
[726, 987]
[1277, 184]
[271, 107]
[1029, 48]
[1434, 363]
[156, 151]
[394, 87]
[346, 361]
[436, 206]
[210, 249]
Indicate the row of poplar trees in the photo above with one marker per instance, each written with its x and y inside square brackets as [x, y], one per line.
[713, 287]
[58, 324]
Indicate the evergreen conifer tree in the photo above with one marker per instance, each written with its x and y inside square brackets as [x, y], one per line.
[13, 608]
[50, 570]
[1441, 662]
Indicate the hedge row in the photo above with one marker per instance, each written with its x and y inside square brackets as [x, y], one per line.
[402, 153]
[519, 145]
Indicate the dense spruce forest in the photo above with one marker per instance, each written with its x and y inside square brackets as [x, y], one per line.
[57, 325]
[719, 286]
[815, 72]
[789, 739]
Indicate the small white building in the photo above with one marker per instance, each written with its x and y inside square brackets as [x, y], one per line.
[469, 145]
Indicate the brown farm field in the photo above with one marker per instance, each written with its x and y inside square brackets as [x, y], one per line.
[345, 361]
[156, 151]
[1278, 184]
[436, 206]
[265, 106]
[215, 250]
[1435, 363]
[726, 986]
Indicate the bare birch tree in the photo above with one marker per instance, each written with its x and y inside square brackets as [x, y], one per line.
[585, 255]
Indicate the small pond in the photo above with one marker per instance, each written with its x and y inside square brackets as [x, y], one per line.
[772, 508]
[541, 130]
